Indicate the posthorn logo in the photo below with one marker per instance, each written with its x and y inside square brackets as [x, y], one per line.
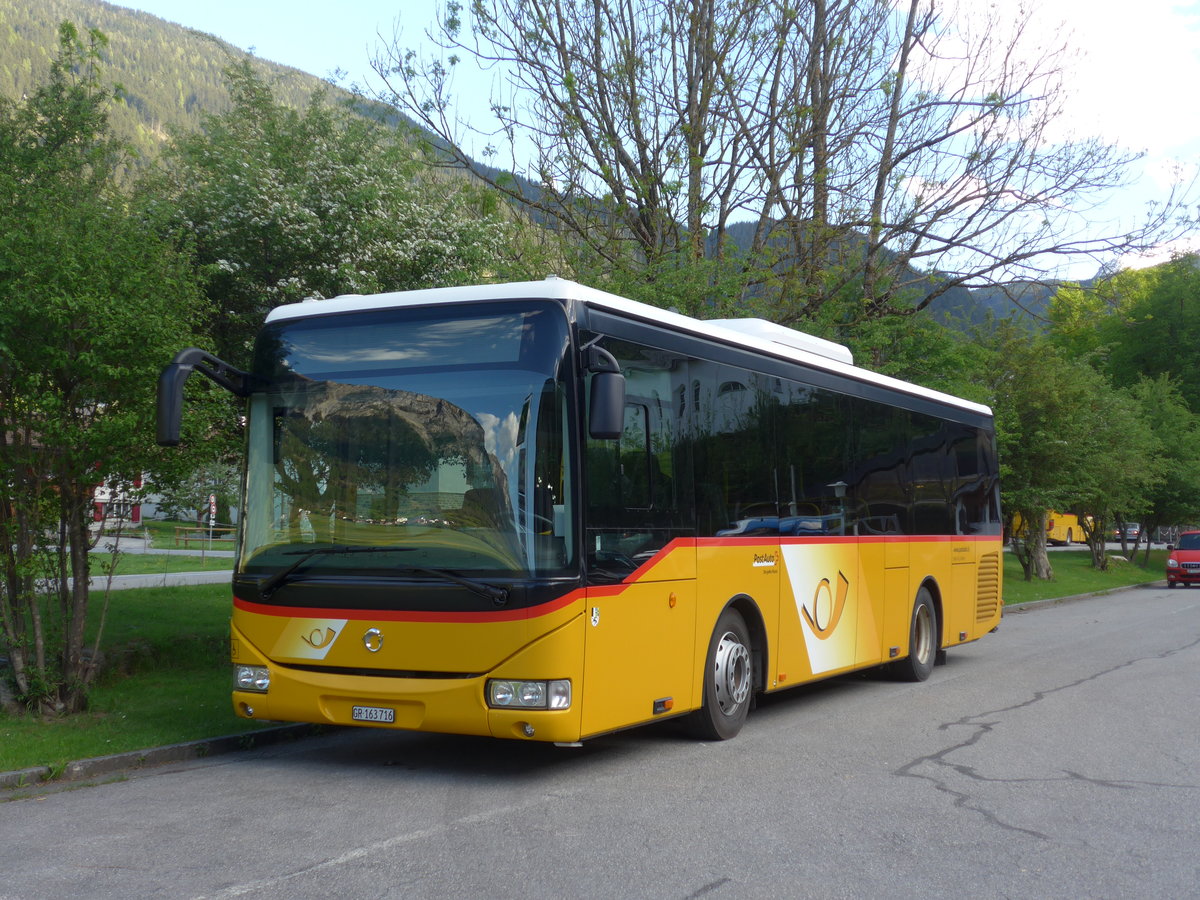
[373, 640]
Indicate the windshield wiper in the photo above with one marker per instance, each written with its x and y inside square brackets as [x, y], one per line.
[268, 585]
[497, 595]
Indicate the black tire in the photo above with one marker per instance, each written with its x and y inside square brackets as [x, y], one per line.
[922, 640]
[728, 681]
[1170, 584]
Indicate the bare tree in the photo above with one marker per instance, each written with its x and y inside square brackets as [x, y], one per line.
[875, 154]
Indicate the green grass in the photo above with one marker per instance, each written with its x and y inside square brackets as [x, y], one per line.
[158, 563]
[1073, 574]
[167, 673]
[166, 680]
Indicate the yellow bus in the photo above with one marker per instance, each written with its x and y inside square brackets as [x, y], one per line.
[1062, 529]
[539, 511]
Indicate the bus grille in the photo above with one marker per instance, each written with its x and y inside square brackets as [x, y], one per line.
[987, 590]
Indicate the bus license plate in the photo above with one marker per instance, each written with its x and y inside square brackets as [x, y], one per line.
[373, 714]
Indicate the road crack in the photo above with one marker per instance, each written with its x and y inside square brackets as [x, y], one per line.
[929, 768]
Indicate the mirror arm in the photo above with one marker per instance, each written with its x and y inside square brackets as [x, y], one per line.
[234, 380]
[171, 381]
[597, 359]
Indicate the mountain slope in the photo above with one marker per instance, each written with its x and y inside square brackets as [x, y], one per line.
[171, 74]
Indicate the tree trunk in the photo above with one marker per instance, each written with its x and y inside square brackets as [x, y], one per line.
[1095, 540]
[1042, 569]
[1030, 546]
[77, 673]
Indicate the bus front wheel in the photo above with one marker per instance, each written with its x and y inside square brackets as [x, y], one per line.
[922, 640]
[728, 681]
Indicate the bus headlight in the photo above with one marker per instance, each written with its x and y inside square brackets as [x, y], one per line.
[508, 694]
[252, 678]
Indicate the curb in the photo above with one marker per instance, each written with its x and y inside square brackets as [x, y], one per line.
[1054, 601]
[101, 766]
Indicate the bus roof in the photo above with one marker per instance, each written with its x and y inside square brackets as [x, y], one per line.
[758, 335]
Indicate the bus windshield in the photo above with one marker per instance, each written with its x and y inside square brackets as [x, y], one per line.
[439, 432]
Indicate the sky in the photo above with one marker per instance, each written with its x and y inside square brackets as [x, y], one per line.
[1133, 82]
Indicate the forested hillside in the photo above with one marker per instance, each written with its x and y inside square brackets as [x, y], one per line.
[171, 74]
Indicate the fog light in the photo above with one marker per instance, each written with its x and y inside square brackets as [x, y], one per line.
[529, 694]
[252, 678]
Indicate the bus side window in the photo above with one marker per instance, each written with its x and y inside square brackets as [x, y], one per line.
[634, 471]
[619, 472]
[932, 474]
[879, 475]
[638, 486]
[817, 487]
[732, 428]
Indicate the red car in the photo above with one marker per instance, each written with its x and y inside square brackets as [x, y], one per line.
[1183, 562]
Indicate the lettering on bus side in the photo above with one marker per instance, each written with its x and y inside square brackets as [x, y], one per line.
[765, 560]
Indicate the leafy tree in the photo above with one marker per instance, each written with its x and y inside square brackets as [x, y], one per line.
[92, 302]
[1137, 328]
[1175, 498]
[1136, 322]
[186, 497]
[1038, 398]
[1067, 440]
[817, 152]
[282, 206]
[1156, 327]
[1122, 467]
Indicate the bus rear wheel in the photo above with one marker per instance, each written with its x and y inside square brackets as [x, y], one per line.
[922, 640]
[728, 681]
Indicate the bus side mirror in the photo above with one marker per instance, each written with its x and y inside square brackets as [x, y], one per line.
[170, 402]
[172, 378]
[606, 415]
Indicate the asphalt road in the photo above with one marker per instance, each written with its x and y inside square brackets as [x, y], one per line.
[1059, 757]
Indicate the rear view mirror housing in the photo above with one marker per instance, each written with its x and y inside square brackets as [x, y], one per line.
[606, 400]
[606, 406]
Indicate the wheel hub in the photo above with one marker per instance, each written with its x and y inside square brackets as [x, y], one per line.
[732, 675]
[924, 634]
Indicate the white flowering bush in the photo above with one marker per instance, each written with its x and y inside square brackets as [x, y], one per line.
[282, 205]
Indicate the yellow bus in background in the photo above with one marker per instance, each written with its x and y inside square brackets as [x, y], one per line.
[1062, 529]
[539, 511]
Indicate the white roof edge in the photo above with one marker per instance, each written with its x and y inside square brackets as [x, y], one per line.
[554, 288]
[551, 288]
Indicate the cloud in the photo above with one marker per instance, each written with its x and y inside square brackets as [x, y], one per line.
[1133, 78]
